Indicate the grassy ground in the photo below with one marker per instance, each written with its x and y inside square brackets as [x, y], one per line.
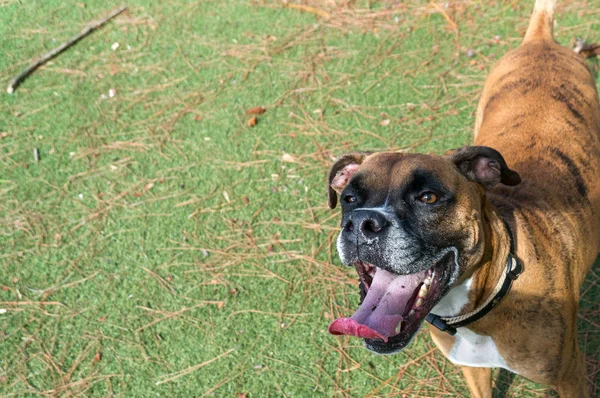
[162, 247]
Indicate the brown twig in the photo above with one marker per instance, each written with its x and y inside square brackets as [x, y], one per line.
[92, 26]
[586, 49]
[176, 375]
[19, 303]
[309, 9]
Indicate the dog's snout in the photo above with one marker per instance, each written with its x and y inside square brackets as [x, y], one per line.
[372, 225]
[349, 226]
[365, 224]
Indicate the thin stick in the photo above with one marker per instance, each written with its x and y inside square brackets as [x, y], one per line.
[176, 375]
[92, 26]
[30, 303]
[310, 9]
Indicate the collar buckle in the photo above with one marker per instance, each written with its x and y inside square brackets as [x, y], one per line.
[439, 323]
[515, 270]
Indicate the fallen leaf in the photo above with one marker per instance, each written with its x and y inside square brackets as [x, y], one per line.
[137, 194]
[252, 121]
[257, 110]
[473, 62]
[97, 357]
[385, 122]
[148, 186]
[113, 69]
[286, 157]
[220, 304]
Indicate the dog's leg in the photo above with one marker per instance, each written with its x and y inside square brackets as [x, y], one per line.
[574, 383]
[479, 381]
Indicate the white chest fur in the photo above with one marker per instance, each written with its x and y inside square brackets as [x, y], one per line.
[470, 349]
[455, 300]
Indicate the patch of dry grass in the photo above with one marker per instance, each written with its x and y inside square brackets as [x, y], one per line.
[163, 246]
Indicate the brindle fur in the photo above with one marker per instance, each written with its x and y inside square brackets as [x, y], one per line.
[539, 108]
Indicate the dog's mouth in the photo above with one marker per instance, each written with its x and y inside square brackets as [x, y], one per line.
[392, 307]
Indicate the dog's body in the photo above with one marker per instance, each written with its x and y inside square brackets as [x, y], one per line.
[539, 108]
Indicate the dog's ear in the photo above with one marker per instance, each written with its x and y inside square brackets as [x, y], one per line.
[484, 165]
[341, 172]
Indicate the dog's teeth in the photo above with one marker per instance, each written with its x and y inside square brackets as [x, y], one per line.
[412, 312]
[419, 302]
[423, 291]
[399, 327]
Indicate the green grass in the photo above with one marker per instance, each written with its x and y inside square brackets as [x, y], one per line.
[158, 231]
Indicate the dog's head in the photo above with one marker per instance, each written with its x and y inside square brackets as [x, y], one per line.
[412, 225]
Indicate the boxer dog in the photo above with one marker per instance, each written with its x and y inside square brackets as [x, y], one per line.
[492, 242]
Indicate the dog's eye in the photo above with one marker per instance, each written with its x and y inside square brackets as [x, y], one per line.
[428, 197]
[349, 199]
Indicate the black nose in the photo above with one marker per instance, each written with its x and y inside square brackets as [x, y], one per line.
[365, 223]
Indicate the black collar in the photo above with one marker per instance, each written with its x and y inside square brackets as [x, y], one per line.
[513, 269]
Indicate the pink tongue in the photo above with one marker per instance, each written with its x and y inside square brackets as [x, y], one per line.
[381, 311]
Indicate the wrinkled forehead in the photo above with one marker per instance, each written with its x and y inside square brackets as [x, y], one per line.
[390, 170]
